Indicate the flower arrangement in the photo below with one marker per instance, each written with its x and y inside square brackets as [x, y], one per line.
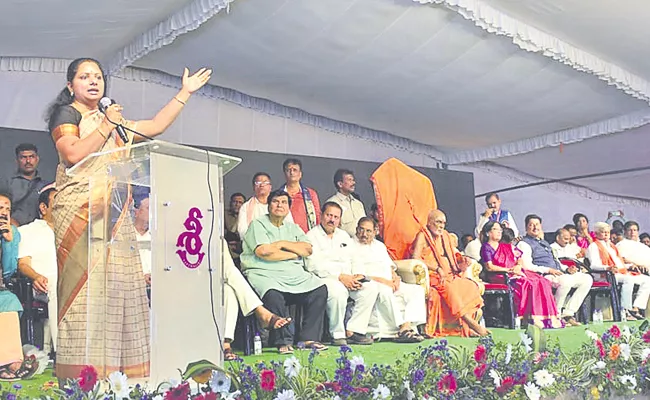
[612, 364]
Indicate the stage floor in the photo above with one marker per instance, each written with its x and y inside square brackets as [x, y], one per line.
[384, 352]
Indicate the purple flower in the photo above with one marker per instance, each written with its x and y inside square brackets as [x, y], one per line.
[345, 349]
[11, 396]
[418, 376]
[444, 342]
[18, 386]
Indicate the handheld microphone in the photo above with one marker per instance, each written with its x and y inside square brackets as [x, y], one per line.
[104, 103]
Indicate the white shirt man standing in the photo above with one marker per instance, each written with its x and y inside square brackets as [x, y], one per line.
[353, 208]
[331, 260]
[401, 307]
[494, 212]
[257, 205]
[37, 261]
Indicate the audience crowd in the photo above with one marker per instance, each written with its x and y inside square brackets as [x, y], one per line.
[286, 249]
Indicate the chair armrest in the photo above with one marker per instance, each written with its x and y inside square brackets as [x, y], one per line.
[502, 275]
[415, 272]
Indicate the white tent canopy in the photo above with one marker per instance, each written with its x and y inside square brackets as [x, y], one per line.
[540, 89]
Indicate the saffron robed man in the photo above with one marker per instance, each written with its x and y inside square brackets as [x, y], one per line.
[273, 262]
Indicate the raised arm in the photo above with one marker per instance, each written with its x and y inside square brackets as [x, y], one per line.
[169, 112]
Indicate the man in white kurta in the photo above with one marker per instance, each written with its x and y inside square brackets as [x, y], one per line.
[604, 256]
[37, 261]
[331, 260]
[401, 307]
[563, 248]
[631, 249]
[257, 205]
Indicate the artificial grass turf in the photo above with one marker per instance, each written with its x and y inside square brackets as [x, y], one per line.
[383, 352]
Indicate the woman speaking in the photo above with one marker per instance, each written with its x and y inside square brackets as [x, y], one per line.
[103, 309]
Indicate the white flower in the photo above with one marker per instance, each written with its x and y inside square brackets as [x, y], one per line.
[626, 351]
[286, 394]
[119, 384]
[645, 353]
[526, 341]
[543, 378]
[381, 392]
[592, 335]
[220, 382]
[355, 361]
[626, 332]
[628, 380]
[407, 388]
[532, 391]
[232, 396]
[336, 397]
[291, 367]
[495, 378]
[599, 365]
[158, 397]
[508, 353]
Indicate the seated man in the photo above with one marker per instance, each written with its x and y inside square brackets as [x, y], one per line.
[238, 293]
[273, 262]
[12, 366]
[37, 261]
[604, 256]
[538, 256]
[454, 301]
[616, 235]
[631, 249]
[331, 260]
[645, 238]
[370, 259]
[563, 247]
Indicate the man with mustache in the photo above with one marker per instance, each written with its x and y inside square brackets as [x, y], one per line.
[351, 206]
[331, 260]
[24, 186]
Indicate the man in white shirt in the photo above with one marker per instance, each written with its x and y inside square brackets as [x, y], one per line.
[563, 247]
[604, 256]
[631, 249]
[143, 234]
[257, 205]
[370, 258]
[353, 208]
[331, 260]
[37, 261]
[494, 212]
[538, 256]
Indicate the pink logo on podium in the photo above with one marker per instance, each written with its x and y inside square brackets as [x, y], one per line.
[190, 240]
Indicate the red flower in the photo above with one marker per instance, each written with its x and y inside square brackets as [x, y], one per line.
[333, 386]
[614, 331]
[206, 396]
[646, 337]
[87, 378]
[506, 384]
[479, 371]
[480, 354]
[601, 348]
[447, 384]
[361, 390]
[610, 375]
[267, 378]
[180, 392]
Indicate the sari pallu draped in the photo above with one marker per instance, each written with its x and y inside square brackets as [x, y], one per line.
[451, 297]
[533, 294]
[103, 308]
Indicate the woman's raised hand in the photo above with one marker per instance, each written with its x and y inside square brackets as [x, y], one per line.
[195, 82]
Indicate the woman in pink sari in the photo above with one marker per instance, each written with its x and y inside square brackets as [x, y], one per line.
[533, 293]
[585, 237]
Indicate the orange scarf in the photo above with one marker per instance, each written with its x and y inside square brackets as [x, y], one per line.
[606, 258]
[446, 245]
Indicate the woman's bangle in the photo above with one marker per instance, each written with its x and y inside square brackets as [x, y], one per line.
[179, 100]
[105, 136]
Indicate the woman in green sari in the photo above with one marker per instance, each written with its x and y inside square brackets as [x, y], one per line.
[103, 309]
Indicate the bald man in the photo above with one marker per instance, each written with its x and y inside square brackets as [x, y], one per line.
[456, 308]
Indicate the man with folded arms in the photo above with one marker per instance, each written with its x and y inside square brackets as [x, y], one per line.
[273, 262]
[538, 256]
[331, 260]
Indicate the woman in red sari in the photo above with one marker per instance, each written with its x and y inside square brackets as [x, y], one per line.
[533, 293]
